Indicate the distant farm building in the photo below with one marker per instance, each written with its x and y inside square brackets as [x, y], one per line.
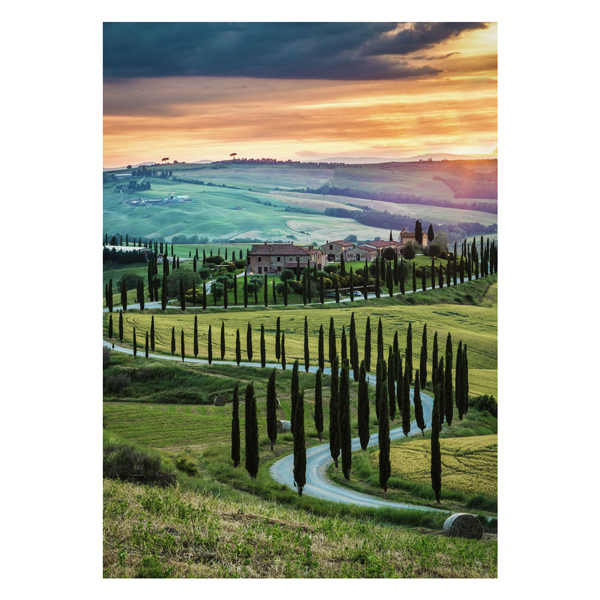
[274, 258]
[409, 236]
[371, 250]
[334, 250]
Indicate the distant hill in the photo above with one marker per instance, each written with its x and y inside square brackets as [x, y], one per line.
[363, 160]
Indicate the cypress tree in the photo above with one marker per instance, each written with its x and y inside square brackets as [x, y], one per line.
[318, 413]
[266, 285]
[134, 344]
[396, 269]
[238, 348]
[124, 295]
[436, 456]
[195, 336]
[173, 347]
[146, 347]
[385, 467]
[441, 275]
[345, 430]
[434, 359]
[396, 349]
[414, 277]
[342, 265]
[458, 381]
[285, 289]
[399, 383]
[334, 414]
[366, 280]
[423, 358]
[378, 382]
[321, 349]
[251, 432]
[454, 267]
[322, 289]
[419, 233]
[271, 409]
[449, 404]
[222, 340]
[195, 265]
[194, 293]
[152, 344]
[402, 279]
[210, 345]
[263, 348]
[353, 348]
[245, 290]
[249, 342]
[465, 384]
[351, 285]
[423, 279]
[368, 345]
[274, 292]
[110, 327]
[379, 340]
[441, 383]
[299, 446]
[225, 294]
[283, 351]
[306, 351]
[430, 235]
[235, 291]
[363, 407]
[390, 384]
[278, 339]
[418, 405]
[337, 291]
[121, 325]
[408, 353]
[344, 345]
[109, 300]
[390, 281]
[406, 403]
[308, 285]
[432, 274]
[462, 270]
[377, 278]
[182, 345]
[163, 296]
[294, 391]
[181, 294]
[304, 279]
[332, 342]
[204, 295]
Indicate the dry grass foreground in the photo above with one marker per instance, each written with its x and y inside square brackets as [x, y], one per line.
[151, 533]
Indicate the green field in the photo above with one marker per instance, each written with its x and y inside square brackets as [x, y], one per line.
[474, 325]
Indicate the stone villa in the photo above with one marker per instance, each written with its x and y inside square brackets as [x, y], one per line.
[274, 258]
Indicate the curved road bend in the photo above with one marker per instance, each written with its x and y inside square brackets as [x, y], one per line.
[318, 458]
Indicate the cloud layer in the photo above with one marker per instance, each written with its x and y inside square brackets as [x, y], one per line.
[332, 51]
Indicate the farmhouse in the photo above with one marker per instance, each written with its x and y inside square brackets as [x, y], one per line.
[409, 236]
[334, 250]
[274, 258]
[371, 250]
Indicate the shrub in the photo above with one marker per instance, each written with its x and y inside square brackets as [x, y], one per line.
[186, 465]
[240, 264]
[485, 403]
[115, 384]
[217, 259]
[105, 357]
[409, 251]
[331, 269]
[131, 281]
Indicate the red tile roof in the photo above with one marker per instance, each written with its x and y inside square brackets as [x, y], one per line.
[279, 250]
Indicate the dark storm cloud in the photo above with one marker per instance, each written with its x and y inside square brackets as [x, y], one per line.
[340, 51]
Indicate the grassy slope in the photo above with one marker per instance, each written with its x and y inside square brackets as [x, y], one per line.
[474, 325]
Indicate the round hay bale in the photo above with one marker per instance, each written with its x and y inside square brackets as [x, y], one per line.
[284, 426]
[463, 525]
[220, 400]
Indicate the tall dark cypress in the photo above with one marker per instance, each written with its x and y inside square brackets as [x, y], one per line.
[423, 358]
[351, 285]
[274, 292]
[134, 344]
[204, 295]
[322, 288]
[266, 285]
[181, 294]
[332, 341]
[379, 340]
[210, 349]
[173, 346]
[390, 384]
[345, 431]
[195, 336]
[121, 325]
[368, 345]
[414, 277]
[344, 345]
[402, 278]
[365, 276]
[124, 295]
[436, 456]
[390, 280]
[419, 233]
[343, 265]
[278, 339]
[353, 348]
[222, 340]
[465, 384]
[378, 381]
[423, 279]
[249, 342]
[318, 413]
[399, 383]
[263, 347]
[152, 341]
[285, 289]
[377, 278]
[110, 327]
[334, 414]
[163, 295]
[321, 348]
[299, 446]
[109, 300]
[418, 405]
[251, 430]
[182, 345]
[235, 290]
[337, 291]
[283, 351]
[385, 467]
[271, 408]
[441, 275]
[432, 274]
[304, 296]
[246, 290]
[458, 381]
[434, 359]
[406, 403]
[225, 294]
[408, 353]
[146, 346]
[294, 391]
[363, 407]
[448, 401]
[306, 351]
[439, 378]
[238, 348]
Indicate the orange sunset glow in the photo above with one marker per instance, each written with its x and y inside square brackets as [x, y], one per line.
[439, 97]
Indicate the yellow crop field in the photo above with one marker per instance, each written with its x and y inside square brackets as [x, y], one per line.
[469, 464]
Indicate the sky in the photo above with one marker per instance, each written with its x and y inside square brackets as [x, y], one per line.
[299, 91]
